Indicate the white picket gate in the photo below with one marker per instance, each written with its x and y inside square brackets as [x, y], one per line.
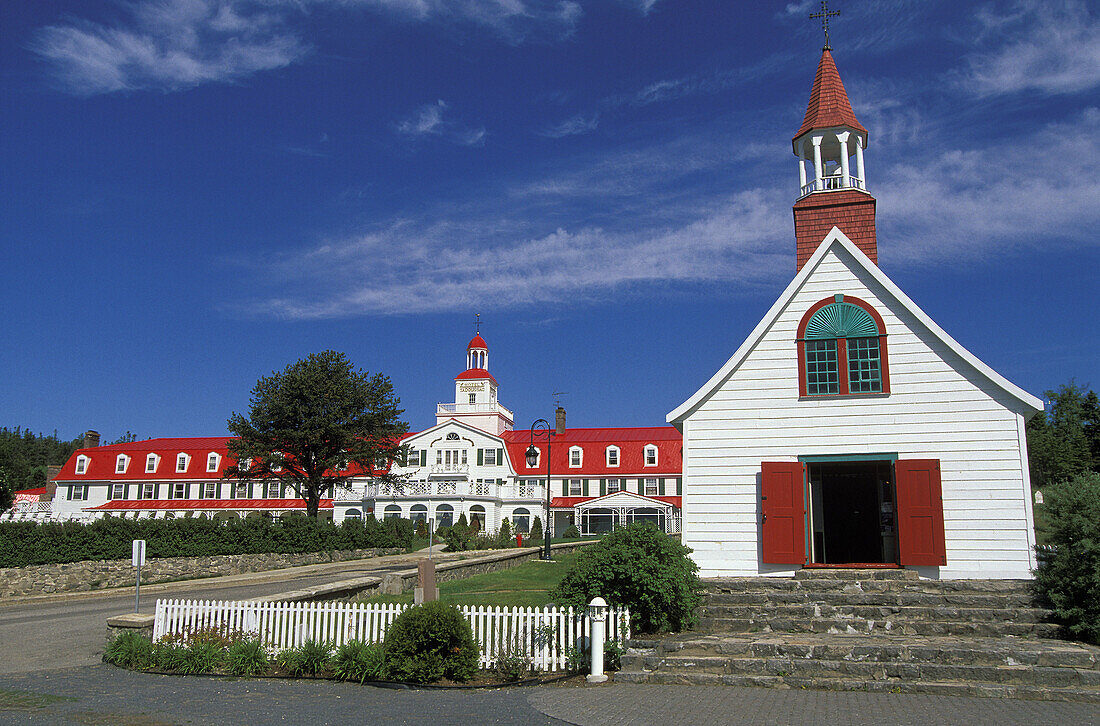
[545, 635]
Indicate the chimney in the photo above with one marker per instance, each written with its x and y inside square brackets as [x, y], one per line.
[559, 420]
[52, 470]
[91, 439]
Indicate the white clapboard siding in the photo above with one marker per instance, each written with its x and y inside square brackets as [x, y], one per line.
[939, 407]
[545, 635]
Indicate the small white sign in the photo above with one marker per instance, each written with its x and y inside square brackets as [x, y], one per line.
[139, 553]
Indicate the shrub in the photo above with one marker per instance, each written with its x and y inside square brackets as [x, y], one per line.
[130, 650]
[358, 661]
[109, 538]
[536, 530]
[1068, 580]
[247, 658]
[203, 656]
[308, 659]
[513, 666]
[505, 535]
[169, 656]
[428, 642]
[612, 655]
[641, 567]
[571, 532]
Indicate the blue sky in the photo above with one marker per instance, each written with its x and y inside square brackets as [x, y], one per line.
[198, 192]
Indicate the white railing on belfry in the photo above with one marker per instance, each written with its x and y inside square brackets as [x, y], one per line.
[546, 635]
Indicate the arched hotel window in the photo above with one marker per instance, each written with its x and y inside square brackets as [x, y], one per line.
[842, 349]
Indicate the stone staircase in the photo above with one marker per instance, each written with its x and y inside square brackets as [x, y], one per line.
[872, 630]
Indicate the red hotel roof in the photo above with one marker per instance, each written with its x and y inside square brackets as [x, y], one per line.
[593, 443]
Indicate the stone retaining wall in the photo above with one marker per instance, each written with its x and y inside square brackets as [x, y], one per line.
[100, 574]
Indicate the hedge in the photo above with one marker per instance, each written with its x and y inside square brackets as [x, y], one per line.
[28, 543]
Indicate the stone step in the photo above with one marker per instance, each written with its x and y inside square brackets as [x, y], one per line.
[1043, 693]
[833, 584]
[877, 612]
[989, 652]
[902, 599]
[886, 626]
[1057, 677]
[853, 573]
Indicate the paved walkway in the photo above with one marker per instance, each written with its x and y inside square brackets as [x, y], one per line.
[102, 695]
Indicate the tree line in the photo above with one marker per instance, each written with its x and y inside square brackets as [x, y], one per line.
[24, 457]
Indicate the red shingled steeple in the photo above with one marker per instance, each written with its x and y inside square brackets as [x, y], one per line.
[833, 191]
[829, 105]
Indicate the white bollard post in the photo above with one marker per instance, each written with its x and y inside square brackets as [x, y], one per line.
[597, 611]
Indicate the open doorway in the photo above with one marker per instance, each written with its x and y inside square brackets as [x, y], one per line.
[852, 513]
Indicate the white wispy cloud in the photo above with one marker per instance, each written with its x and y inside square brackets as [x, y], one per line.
[1045, 46]
[169, 45]
[572, 126]
[1018, 194]
[428, 121]
[447, 265]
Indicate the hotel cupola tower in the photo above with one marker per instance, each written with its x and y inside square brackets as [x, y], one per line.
[832, 177]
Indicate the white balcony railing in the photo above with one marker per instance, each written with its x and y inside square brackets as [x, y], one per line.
[450, 469]
[832, 183]
[456, 488]
[446, 408]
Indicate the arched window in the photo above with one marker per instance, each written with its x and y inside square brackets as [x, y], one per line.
[392, 511]
[477, 514]
[419, 511]
[353, 514]
[521, 519]
[444, 515]
[842, 349]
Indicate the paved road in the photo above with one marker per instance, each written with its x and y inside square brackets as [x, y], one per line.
[62, 631]
[102, 695]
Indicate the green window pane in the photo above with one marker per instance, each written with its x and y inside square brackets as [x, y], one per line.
[864, 372]
[822, 371]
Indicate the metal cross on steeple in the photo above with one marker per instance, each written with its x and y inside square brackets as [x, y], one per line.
[825, 14]
[477, 323]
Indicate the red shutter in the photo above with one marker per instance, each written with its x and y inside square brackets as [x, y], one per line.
[782, 530]
[920, 512]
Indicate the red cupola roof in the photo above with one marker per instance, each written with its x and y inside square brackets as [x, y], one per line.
[829, 106]
[477, 342]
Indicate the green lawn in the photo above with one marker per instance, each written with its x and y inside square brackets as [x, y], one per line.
[526, 585]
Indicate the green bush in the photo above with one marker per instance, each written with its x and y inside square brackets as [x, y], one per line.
[169, 656]
[109, 538]
[247, 658]
[641, 567]
[511, 666]
[428, 642]
[359, 661]
[203, 656]
[612, 655]
[1068, 581]
[309, 659]
[536, 530]
[571, 532]
[505, 537]
[130, 650]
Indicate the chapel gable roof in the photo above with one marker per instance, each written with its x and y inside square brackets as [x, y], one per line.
[864, 264]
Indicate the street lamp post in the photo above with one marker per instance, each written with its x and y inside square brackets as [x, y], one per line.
[539, 427]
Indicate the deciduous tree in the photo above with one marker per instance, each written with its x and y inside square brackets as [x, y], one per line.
[312, 425]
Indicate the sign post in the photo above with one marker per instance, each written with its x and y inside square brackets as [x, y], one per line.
[138, 560]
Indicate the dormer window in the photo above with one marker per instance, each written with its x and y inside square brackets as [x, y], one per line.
[650, 455]
[181, 462]
[81, 464]
[612, 455]
[212, 461]
[151, 462]
[121, 462]
[576, 455]
[842, 349]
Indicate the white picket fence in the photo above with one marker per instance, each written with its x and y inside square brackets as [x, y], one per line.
[545, 635]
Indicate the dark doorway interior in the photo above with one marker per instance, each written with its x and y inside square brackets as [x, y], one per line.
[852, 513]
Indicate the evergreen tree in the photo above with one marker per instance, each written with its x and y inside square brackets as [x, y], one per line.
[1064, 441]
